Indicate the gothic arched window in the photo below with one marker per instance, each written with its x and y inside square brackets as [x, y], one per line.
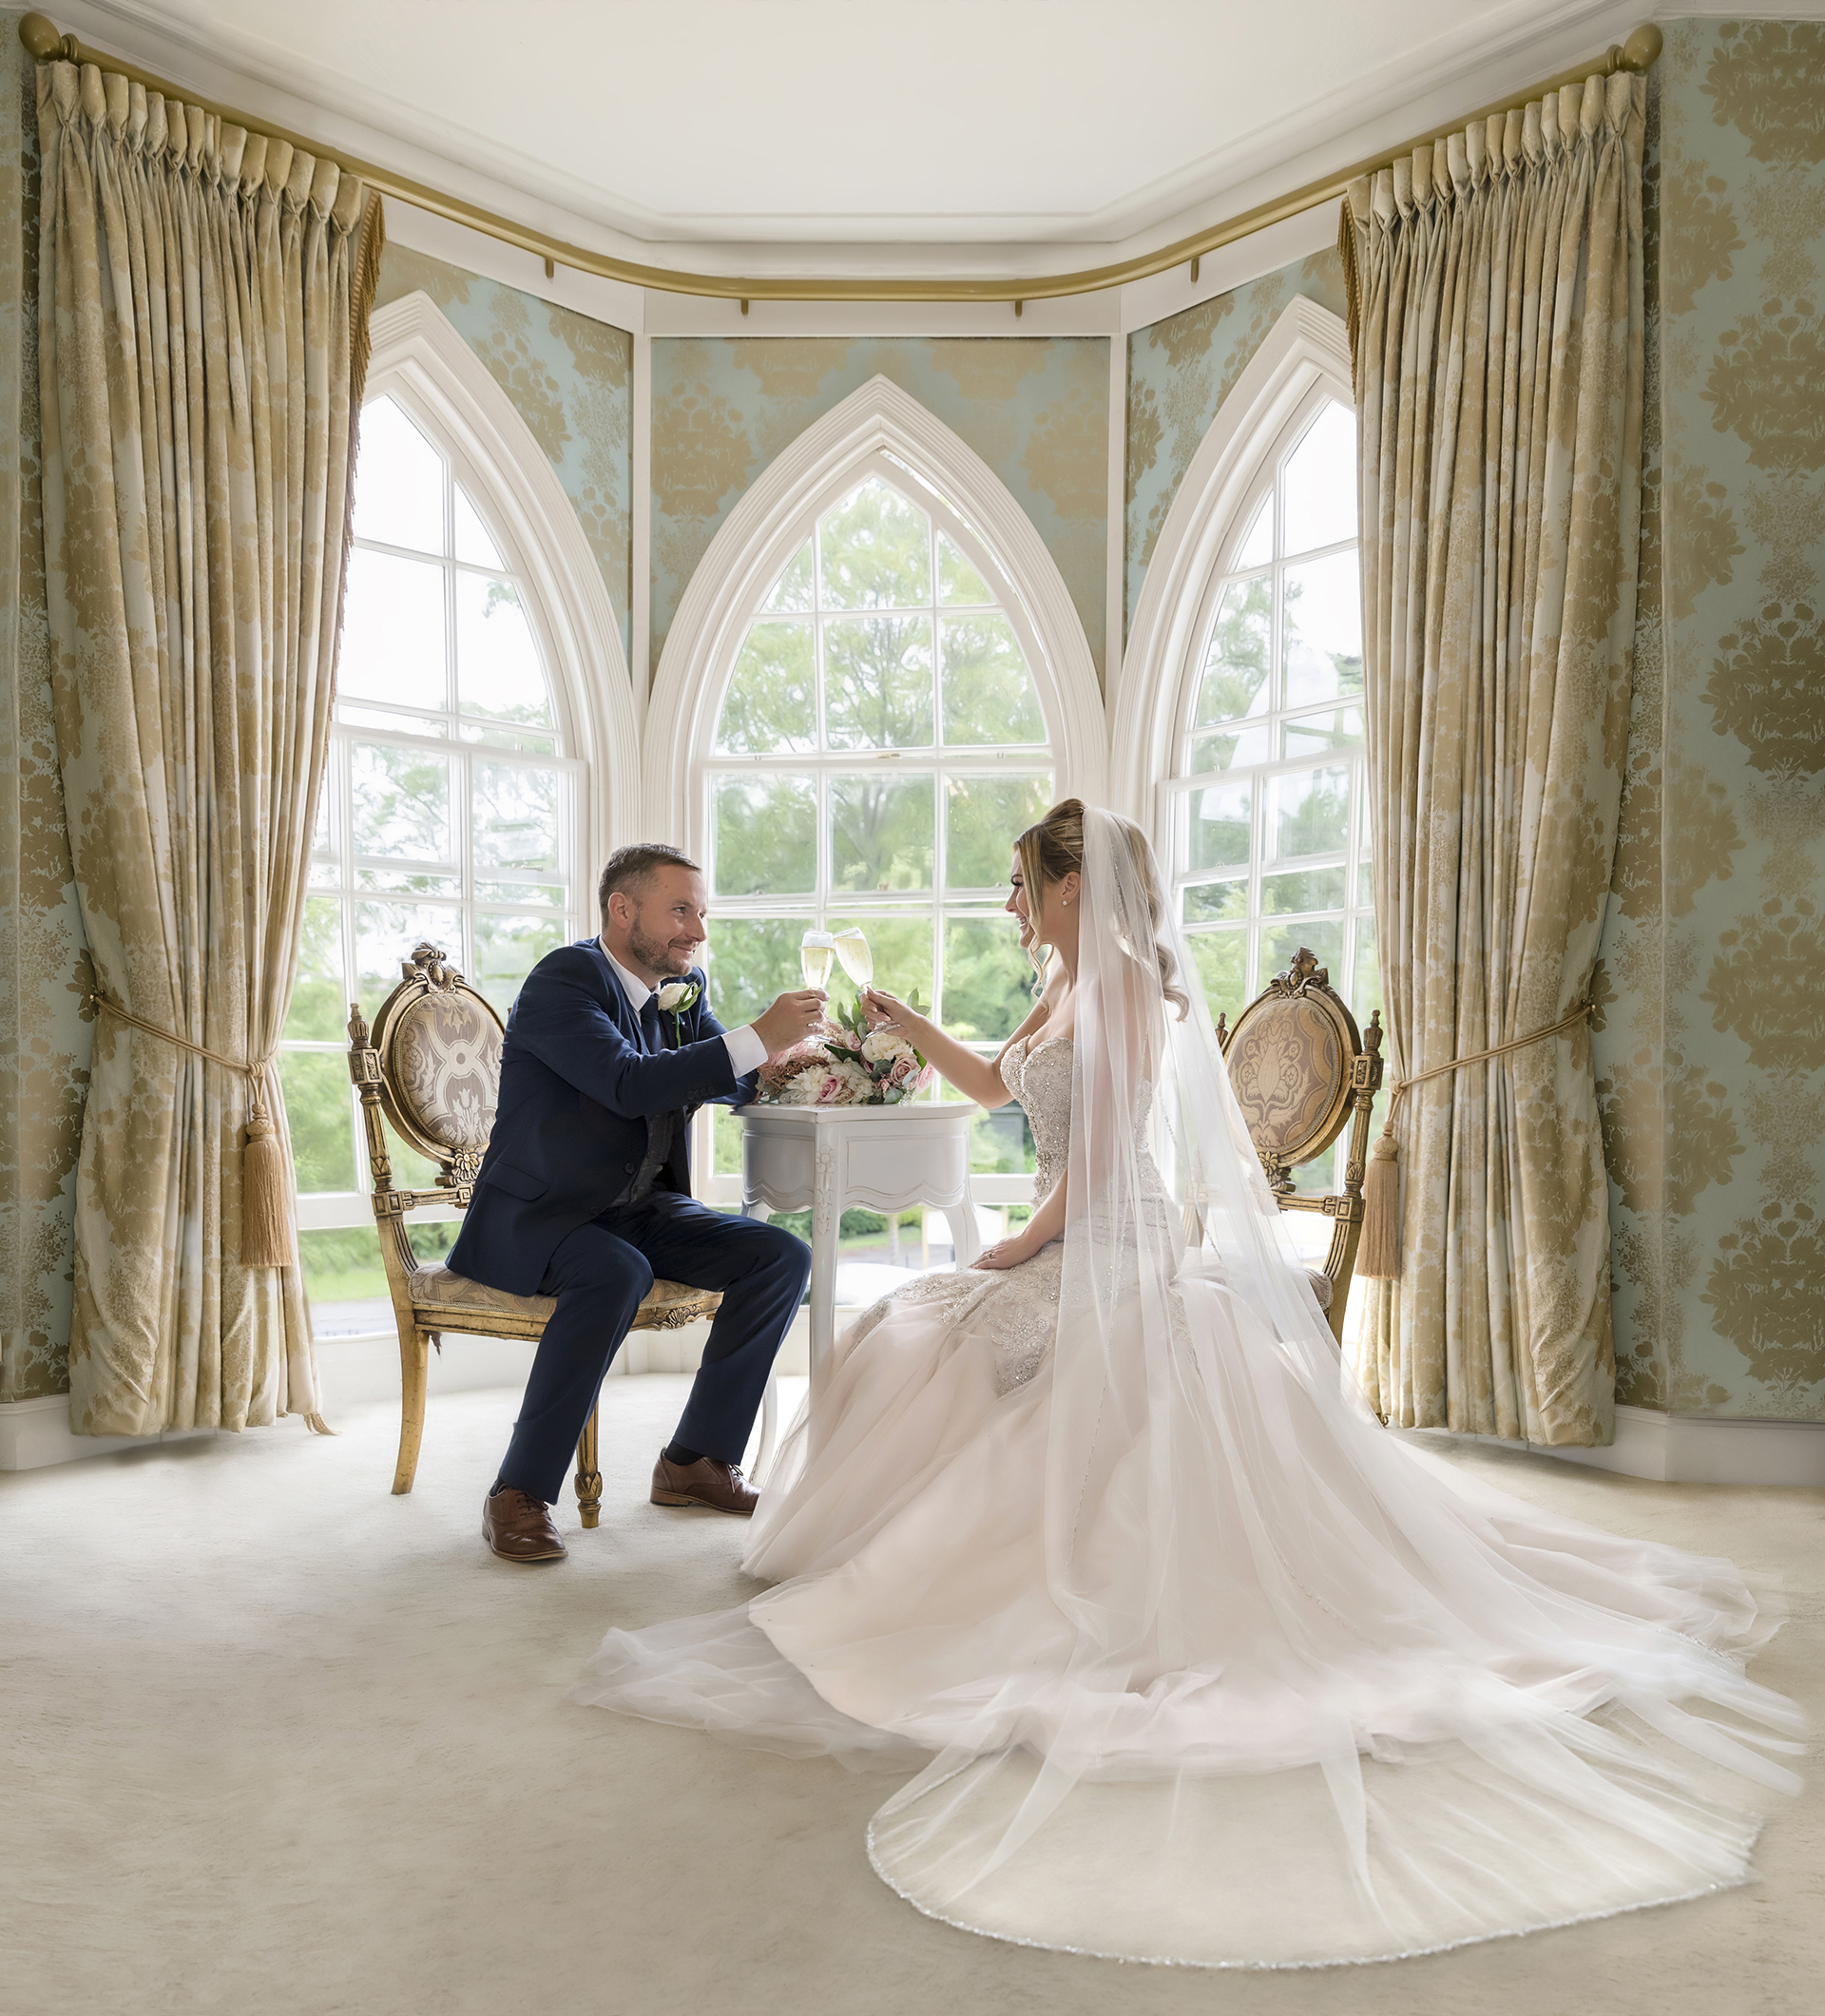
[1265, 802]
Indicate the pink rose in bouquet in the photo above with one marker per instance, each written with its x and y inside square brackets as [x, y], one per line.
[907, 1075]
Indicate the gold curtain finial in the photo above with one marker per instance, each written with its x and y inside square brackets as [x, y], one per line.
[44, 44]
[1641, 52]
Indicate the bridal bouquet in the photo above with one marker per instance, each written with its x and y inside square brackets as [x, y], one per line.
[850, 1065]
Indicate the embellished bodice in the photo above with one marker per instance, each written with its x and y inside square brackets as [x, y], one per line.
[1037, 1071]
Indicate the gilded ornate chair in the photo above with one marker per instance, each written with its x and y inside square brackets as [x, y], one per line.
[1302, 1072]
[432, 1067]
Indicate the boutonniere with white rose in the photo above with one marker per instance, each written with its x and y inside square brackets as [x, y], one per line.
[673, 999]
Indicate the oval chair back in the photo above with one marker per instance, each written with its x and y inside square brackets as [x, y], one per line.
[1302, 1071]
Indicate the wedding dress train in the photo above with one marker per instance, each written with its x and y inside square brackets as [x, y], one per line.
[1192, 1660]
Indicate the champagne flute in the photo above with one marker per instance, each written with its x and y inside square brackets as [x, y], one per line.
[851, 949]
[814, 951]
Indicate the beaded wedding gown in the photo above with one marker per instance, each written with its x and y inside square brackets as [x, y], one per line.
[1193, 1663]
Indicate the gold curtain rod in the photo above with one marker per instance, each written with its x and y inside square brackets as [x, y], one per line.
[46, 45]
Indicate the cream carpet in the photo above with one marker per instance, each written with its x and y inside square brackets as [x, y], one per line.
[276, 1741]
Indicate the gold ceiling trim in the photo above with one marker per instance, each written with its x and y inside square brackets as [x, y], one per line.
[46, 45]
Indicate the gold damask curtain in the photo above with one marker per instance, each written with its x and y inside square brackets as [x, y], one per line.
[1497, 324]
[202, 317]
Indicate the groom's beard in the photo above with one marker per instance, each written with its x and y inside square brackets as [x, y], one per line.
[657, 956]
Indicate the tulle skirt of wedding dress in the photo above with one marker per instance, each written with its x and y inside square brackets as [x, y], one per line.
[1383, 1709]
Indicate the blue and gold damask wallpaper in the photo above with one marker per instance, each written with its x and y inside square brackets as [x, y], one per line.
[1711, 1053]
[1036, 409]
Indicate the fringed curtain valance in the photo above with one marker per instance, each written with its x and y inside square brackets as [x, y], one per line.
[202, 315]
[1497, 328]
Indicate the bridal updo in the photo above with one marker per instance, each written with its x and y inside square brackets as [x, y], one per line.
[1053, 849]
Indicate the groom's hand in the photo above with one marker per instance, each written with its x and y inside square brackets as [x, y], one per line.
[791, 1019]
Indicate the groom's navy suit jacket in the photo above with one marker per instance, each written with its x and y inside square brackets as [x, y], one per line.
[577, 1084]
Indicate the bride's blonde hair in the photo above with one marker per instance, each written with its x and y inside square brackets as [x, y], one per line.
[1052, 849]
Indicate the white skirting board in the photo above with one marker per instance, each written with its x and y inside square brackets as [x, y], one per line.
[1666, 1449]
[36, 1433]
[1684, 1449]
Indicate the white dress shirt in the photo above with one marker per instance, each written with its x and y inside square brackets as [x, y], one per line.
[747, 1052]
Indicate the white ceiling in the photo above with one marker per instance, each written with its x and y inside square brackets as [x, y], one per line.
[857, 134]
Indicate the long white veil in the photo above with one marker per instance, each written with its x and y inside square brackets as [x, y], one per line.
[1290, 1691]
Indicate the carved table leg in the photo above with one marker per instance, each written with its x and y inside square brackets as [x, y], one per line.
[965, 1234]
[826, 1228]
[588, 1475]
[414, 1349]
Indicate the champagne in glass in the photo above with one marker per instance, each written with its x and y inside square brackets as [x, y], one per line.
[858, 962]
[814, 950]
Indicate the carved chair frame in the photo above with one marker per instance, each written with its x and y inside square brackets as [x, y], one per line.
[1351, 1102]
[373, 1068]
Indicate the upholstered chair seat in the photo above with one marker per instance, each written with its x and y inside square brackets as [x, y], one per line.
[435, 1291]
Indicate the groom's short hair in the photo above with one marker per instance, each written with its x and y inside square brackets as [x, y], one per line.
[630, 868]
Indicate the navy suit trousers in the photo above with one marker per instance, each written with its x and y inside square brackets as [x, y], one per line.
[599, 1275]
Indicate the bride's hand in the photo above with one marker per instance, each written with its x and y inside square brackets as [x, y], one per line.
[1003, 1254]
[885, 1008]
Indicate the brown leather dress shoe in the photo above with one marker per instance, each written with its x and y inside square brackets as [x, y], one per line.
[720, 1487]
[519, 1527]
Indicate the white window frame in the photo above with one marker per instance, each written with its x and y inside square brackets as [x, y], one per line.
[1177, 787]
[418, 360]
[878, 429]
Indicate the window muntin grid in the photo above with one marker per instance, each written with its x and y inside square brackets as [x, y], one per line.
[450, 807]
[878, 743]
[1268, 832]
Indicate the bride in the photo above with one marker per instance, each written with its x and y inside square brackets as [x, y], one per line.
[1188, 1660]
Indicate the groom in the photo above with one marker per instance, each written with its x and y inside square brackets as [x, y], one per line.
[585, 1193]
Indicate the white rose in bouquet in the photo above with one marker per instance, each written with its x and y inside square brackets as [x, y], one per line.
[885, 1046]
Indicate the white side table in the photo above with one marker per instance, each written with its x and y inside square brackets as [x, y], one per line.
[880, 1158]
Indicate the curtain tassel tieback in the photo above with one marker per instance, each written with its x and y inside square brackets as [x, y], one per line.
[1378, 1256]
[266, 1236]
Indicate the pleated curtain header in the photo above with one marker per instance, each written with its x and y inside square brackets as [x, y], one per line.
[1507, 145]
[177, 134]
